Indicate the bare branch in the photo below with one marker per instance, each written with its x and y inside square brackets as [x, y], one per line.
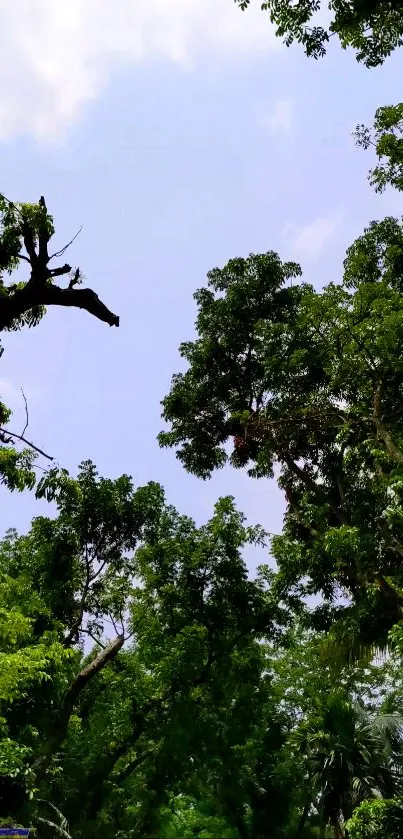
[57, 254]
[114, 624]
[31, 296]
[58, 272]
[83, 298]
[99, 571]
[26, 413]
[38, 292]
[22, 438]
[94, 638]
[43, 236]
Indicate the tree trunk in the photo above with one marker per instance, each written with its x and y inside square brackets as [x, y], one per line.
[303, 819]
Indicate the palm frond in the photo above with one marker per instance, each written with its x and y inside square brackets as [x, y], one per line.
[57, 829]
[61, 816]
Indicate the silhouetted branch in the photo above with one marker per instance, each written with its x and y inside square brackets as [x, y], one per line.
[32, 296]
[31, 445]
[38, 291]
[57, 254]
[58, 272]
[26, 413]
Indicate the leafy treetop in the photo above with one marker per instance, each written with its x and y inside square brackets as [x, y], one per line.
[387, 139]
[311, 383]
[373, 28]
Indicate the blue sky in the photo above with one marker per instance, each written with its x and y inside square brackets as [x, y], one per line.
[179, 134]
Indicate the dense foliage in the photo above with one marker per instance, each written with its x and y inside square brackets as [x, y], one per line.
[311, 382]
[195, 710]
[387, 139]
[376, 820]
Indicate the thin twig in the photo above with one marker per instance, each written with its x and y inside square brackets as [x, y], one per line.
[94, 638]
[98, 572]
[26, 413]
[114, 625]
[41, 468]
[31, 445]
[62, 250]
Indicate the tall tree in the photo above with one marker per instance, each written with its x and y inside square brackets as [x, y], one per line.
[175, 672]
[311, 383]
[373, 28]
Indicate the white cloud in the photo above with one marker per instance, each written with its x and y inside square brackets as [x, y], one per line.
[280, 120]
[57, 54]
[308, 242]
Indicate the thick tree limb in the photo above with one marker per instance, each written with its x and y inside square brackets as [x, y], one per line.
[11, 434]
[58, 272]
[29, 244]
[61, 724]
[95, 781]
[121, 776]
[15, 305]
[83, 298]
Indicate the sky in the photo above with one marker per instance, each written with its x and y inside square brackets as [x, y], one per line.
[179, 135]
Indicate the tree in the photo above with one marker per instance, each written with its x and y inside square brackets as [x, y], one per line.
[309, 383]
[387, 139]
[373, 28]
[350, 757]
[25, 233]
[377, 819]
[183, 716]
[107, 736]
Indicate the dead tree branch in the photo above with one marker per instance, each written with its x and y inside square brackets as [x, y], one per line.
[40, 290]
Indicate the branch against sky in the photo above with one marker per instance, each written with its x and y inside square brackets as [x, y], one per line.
[25, 233]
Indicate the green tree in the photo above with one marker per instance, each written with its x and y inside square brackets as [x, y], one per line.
[350, 757]
[25, 233]
[309, 384]
[376, 820]
[373, 28]
[176, 674]
[63, 577]
[386, 137]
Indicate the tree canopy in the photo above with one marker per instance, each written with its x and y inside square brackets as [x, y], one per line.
[282, 375]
